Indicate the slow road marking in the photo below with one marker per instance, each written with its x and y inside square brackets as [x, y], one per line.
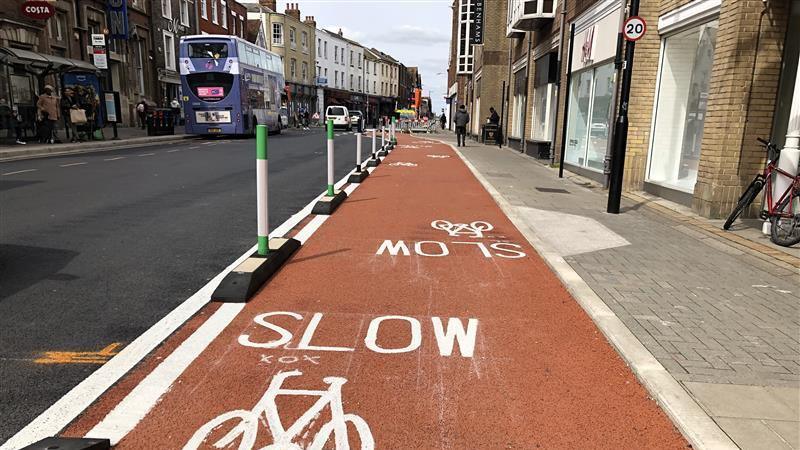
[100, 357]
[19, 171]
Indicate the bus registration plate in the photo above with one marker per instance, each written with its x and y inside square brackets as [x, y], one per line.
[215, 130]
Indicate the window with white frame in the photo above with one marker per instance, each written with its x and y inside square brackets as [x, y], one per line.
[214, 15]
[169, 50]
[359, 83]
[336, 54]
[277, 34]
[241, 27]
[544, 93]
[342, 55]
[304, 70]
[166, 9]
[351, 58]
[374, 87]
[292, 40]
[325, 49]
[139, 48]
[464, 50]
[293, 68]
[204, 9]
[233, 23]
[304, 41]
[591, 94]
[319, 46]
[185, 12]
[359, 60]
[57, 26]
[223, 12]
[336, 78]
[351, 81]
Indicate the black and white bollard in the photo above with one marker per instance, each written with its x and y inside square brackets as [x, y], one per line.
[374, 161]
[393, 141]
[360, 173]
[248, 277]
[333, 198]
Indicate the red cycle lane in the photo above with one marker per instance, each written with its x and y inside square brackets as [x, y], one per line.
[417, 317]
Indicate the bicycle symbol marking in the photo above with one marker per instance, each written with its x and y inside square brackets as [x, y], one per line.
[404, 164]
[438, 156]
[266, 411]
[475, 229]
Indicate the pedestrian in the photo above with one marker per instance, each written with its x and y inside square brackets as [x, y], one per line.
[69, 103]
[443, 120]
[494, 118]
[47, 109]
[141, 112]
[175, 106]
[461, 120]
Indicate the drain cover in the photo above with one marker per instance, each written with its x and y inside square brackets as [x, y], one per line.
[552, 190]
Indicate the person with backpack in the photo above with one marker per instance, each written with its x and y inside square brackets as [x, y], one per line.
[461, 121]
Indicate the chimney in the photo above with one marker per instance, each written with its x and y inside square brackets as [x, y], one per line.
[340, 32]
[310, 21]
[292, 9]
[272, 5]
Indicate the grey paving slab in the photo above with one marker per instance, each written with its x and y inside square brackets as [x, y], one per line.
[753, 434]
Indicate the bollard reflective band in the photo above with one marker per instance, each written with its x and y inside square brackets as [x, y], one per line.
[330, 128]
[261, 190]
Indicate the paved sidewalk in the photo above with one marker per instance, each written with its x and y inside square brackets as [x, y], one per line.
[722, 318]
[127, 136]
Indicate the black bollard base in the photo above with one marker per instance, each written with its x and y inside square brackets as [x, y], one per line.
[358, 177]
[383, 152]
[374, 162]
[248, 277]
[65, 443]
[328, 205]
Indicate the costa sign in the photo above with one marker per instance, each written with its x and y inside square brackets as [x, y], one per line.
[38, 9]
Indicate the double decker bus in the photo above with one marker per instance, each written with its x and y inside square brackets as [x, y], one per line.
[229, 85]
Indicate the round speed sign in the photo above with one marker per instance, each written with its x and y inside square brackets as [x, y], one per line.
[634, 27]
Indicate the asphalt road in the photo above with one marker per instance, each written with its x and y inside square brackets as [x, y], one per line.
[96, 248]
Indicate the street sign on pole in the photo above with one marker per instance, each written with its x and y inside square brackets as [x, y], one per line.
[620, 139]
[634, 28]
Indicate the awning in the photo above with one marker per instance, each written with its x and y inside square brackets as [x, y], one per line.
[45, 63]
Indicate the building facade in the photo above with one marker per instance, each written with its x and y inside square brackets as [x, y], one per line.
[170, 21]
[294, 40]
[221, 17]
[709, 77]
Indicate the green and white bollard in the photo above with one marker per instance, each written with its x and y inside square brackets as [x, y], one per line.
[359, 175]
[374, 161]
[261, 190]
[384, 148]
[242, 283]
[332, 198]
[330, 158]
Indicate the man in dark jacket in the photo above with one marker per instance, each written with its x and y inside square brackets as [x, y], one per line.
[461, 121]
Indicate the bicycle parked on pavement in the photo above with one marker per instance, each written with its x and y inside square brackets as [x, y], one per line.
[783, 213]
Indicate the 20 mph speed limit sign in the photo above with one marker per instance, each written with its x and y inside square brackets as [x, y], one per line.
[634, 28]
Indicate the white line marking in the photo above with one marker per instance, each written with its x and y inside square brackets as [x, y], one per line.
[310, 228]
[194, 147]
[67, 408]
[20, 171]
[73, 164]
[115, 159]
[147, 154]
[132, 409]
[174, 150]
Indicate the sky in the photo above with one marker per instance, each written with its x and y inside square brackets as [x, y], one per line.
[414, 32]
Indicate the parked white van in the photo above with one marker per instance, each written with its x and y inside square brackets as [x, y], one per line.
[340, 116]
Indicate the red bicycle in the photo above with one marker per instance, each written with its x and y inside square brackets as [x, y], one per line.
[783, 213]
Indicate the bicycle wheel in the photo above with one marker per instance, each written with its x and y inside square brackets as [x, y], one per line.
[785, 231]
[745, 200]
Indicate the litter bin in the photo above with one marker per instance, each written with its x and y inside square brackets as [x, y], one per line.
[491, 133]
[160, 122]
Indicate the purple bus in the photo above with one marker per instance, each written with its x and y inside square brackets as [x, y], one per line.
[229, 85]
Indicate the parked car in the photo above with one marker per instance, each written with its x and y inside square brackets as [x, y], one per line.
[340, 116]
[357, 119]
[284, 116]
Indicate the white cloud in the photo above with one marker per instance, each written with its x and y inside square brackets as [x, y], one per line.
[413, 35]
[353, 35]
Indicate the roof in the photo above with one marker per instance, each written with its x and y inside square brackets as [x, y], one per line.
[381, 55]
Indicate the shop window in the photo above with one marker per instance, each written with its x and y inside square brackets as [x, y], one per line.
[590, 104]
[544, 97]
[681, 101]
[519, 101]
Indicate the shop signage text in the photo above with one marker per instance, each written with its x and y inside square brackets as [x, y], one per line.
[37, 9]
[476, 35]
[118, 19]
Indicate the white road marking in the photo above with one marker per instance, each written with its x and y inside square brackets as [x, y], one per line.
[147, 154]
[73, 164]
[310, 228]
[132, 409]
[115, 159]
[67, 408]
[19, 171]
[193, 147]
[174, 150]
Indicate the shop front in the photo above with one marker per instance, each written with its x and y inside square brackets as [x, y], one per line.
[592, 91]
[681, 100]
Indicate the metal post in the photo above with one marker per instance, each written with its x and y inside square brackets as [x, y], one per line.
[383, 137]
[621, 126]
[790, 155]
[394, 125]
[358, 152]
[261, 190]
[559, 65]
[566, 102]
[330, 193]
